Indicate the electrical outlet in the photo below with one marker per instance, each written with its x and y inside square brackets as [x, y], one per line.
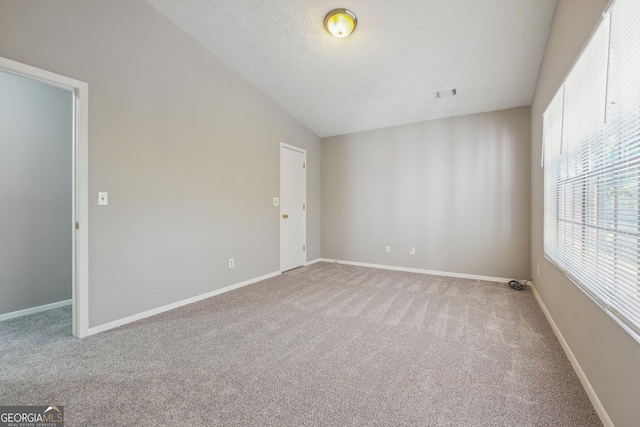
[388, 249]
[232, 263]
[412, 250]
[538, 269]
[103, 198]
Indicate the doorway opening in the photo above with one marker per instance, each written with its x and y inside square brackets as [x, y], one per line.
[78, 223]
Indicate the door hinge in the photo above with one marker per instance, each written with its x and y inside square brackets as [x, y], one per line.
[304, 248]
[304, 206]
[77, 226]
[304, 165]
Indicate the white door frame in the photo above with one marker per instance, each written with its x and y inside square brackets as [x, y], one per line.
[80, 189]
[304, 152]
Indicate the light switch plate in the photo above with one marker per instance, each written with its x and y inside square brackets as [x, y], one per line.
[276, 201]
[103, 198]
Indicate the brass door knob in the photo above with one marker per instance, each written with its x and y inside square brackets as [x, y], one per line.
[285, 216]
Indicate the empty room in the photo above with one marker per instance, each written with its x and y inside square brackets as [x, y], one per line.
[285, 213]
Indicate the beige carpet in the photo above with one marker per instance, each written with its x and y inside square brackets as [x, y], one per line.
[325, 345]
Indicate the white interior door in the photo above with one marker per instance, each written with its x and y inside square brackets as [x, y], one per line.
[293, 209]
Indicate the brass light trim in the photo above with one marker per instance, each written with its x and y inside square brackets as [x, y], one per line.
[340, 23]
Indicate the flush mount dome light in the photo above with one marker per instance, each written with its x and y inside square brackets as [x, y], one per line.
[340, 22]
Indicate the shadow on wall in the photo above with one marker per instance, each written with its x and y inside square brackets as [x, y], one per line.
[455, 189]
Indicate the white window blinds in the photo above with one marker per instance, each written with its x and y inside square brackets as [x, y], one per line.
[591, 159]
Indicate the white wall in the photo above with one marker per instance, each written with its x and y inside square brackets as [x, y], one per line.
[35, 193]
[188, 151]
[609, 357]
[457, 189]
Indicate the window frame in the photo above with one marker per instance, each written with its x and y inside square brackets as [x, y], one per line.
[576, 202]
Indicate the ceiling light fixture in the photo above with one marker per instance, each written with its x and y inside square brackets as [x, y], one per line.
[340, 22]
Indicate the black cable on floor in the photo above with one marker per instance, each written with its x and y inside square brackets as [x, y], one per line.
[518, 285]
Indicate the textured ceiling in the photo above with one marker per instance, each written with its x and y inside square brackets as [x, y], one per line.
[385, 73]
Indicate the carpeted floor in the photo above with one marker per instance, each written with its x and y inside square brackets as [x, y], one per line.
[326, 345]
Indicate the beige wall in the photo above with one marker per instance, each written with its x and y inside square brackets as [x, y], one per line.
[35, 193]
[188, 151]
[609, 357]
[457, 189]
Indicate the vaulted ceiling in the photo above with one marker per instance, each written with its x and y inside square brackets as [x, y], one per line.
[385, 73]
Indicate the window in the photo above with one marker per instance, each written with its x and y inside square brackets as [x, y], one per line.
[591, 160]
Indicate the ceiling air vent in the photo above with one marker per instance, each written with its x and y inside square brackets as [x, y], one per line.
[444, 93]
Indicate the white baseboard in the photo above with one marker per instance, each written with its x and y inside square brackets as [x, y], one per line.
[153, 312]
[314, 261]
[32, 310]
[420, 271]
[595, 401]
